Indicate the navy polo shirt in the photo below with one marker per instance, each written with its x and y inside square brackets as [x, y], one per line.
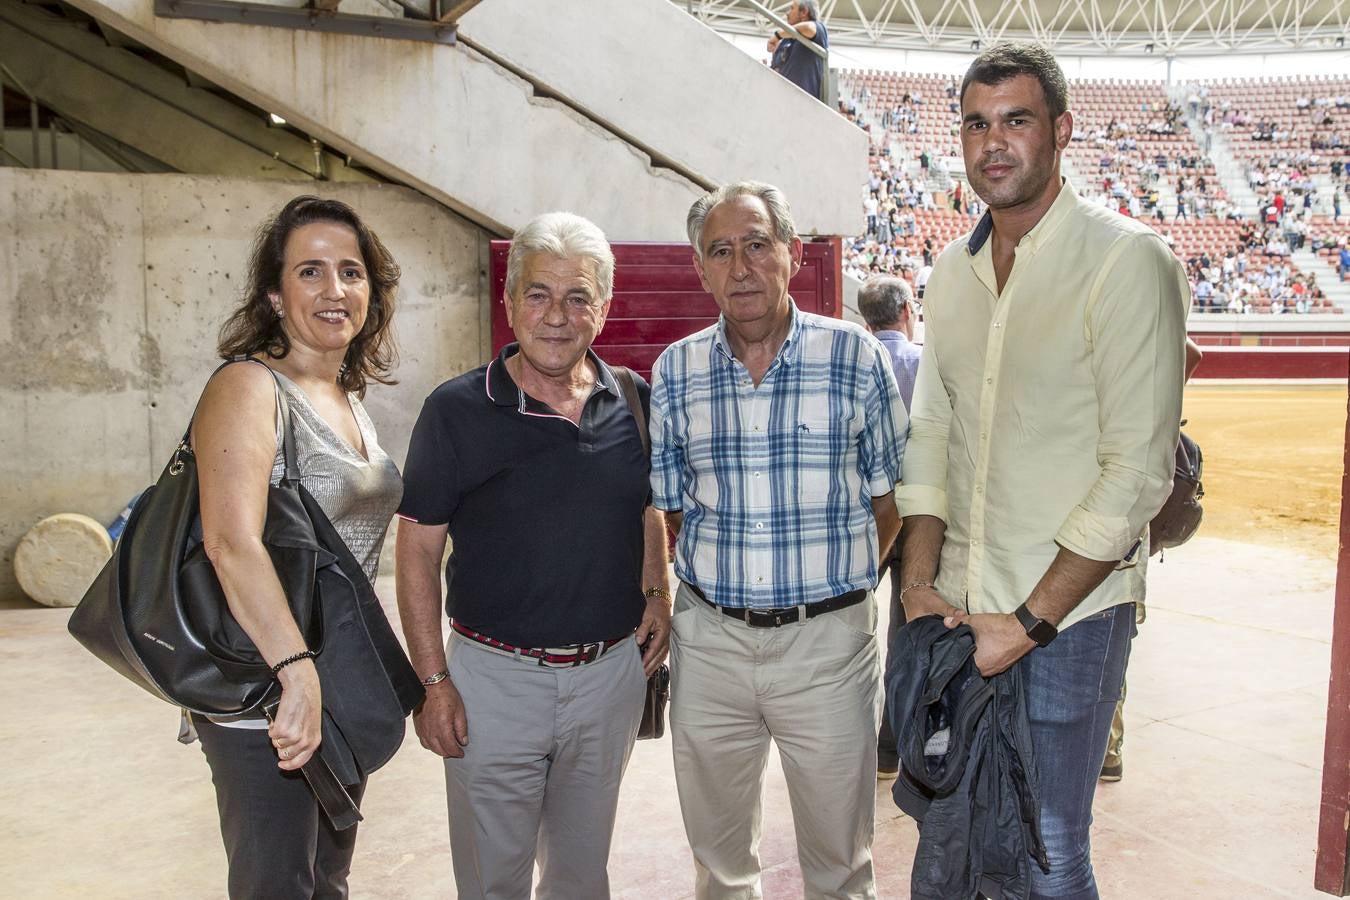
[545, 517]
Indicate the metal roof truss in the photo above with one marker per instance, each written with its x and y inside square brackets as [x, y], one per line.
[1126, 27]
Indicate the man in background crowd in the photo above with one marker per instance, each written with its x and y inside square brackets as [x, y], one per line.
[887, 307]
[793, 61]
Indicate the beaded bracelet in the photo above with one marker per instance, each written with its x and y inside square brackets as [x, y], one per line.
[303, 654]
[653, 592]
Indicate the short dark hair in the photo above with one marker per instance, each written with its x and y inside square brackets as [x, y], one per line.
[254, 327]
[882, 299]
[1003, 61]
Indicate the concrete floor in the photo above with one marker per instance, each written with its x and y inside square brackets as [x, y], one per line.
[1223, 766]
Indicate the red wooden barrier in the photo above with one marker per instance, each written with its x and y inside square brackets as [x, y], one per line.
[1332, 873]
[1271, 339]
[658, 299]
[1273, 362]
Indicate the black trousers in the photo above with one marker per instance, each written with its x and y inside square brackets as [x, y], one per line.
[277, 840]
[886, 755]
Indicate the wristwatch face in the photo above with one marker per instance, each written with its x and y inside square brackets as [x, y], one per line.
[1042, 632]
[1039, 630]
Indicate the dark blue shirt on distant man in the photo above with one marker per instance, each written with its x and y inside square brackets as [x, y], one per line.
[799, 65]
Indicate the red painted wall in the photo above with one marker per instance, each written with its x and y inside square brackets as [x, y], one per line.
[1259, 362]
[1280, 339]
[658, 299]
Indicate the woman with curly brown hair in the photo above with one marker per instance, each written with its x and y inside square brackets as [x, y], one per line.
[316, 315]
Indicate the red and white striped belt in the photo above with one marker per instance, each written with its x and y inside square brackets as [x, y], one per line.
[562, 657]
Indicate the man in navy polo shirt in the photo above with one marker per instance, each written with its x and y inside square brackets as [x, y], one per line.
[556, 586]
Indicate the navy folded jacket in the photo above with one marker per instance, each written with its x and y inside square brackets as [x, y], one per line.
[967, 766]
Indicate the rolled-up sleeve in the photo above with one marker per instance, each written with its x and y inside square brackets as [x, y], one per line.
[667, 478]
[923, 489]
[1137, 331]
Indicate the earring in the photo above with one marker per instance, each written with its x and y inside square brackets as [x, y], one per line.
[281, 313]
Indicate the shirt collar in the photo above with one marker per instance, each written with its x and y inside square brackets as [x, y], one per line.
[503, 390]
[897, 336]
[786, 353]
[1066, 200]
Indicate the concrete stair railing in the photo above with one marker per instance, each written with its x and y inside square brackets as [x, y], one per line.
[654, 74]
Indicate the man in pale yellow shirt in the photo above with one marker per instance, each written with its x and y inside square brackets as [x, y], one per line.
[1043, 434]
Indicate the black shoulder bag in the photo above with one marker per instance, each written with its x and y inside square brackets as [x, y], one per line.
[1179, 518]
[653, 724]
[157, 615]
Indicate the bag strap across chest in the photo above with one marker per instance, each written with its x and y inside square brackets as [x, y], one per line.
[624, 376]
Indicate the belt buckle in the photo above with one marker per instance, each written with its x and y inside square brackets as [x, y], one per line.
[771, 618]
[587, 653]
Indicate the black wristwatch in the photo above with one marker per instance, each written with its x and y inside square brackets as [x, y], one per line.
[1039, 630]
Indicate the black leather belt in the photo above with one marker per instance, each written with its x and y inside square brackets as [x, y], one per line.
[772, 618]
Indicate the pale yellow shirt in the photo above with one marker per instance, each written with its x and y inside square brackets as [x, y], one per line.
[1047, 415]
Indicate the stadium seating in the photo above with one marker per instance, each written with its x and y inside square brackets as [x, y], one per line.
[1134, 149]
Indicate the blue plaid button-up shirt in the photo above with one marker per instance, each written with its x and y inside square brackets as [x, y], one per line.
[776, 481]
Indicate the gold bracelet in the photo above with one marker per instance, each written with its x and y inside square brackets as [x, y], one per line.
[661, 592]
[914, 584]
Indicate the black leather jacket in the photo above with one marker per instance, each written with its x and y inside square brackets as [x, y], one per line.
[967, 766]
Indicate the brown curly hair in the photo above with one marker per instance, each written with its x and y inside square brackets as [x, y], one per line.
[254, 326]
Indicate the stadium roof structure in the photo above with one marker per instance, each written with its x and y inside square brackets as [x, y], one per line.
[1124, 27]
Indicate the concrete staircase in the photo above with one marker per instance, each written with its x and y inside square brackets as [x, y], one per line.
[1326, 187]
[1167, 196]
[1231, 172]
[501, 125]
[1337, 291]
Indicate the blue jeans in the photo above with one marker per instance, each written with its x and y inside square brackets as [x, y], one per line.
[1072, 687]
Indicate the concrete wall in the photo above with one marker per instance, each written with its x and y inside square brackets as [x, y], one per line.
[112, 289]
[653, 72]
[443, 119]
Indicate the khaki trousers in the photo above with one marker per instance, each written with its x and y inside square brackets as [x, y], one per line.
[813, 688]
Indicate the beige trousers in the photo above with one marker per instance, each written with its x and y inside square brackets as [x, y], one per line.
[813, 688]
[1115, 742]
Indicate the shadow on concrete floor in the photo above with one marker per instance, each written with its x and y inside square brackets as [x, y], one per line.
[1227, 704]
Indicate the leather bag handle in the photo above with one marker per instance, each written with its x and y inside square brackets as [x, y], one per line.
[291, 475]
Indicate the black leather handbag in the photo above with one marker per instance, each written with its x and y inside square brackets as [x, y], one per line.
[157, 615]
[653, 724]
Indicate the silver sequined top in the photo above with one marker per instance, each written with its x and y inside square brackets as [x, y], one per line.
[358, 494]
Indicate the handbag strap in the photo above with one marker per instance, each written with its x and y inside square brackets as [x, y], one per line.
[291, 475]
[628, 386]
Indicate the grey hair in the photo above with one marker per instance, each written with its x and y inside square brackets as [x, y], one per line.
[564, 235]
[780, 213]
[882, 299]
[811, 7]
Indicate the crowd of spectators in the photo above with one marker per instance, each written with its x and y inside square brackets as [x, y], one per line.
[1139, 149]
[1199, 196]
[900, 210]
[1251, 278]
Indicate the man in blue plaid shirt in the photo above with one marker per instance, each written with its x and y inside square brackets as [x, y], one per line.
[777, 437]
